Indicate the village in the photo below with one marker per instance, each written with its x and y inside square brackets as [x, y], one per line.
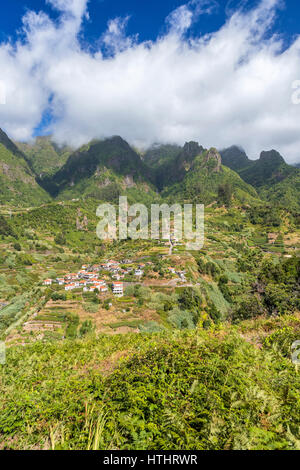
[95, 278]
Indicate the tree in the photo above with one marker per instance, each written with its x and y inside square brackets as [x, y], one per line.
[190, 300]
[225, 194]
[5, 228]
[60, 239]
[248, 308]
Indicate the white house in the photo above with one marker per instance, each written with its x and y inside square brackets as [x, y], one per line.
[70, 287]
[117, 288]
[47, 282]
[138, 272]
[89, 275]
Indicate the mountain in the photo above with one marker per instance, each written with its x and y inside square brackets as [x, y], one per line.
[158, 154]
[275, 180]
[173, 169]
[235, 158]
[32, 174]
[102, 169]
[205, 179]
[270, 168]
[18, 185]
[44, 155]
[285, 192]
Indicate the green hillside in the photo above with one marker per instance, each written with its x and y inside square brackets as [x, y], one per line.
[275, 180]
[158, 155]
[18, 186]
[269, 169]
[206, 179]
[44, 155]
[101, 169]
[286, 192]
[173, 168]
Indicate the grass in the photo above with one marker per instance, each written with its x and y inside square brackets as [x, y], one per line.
[128, 324]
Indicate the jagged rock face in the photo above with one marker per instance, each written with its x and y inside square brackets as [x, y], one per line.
[213, 156]
[81, 224]
[189, 152]
[192, 149]
[128, 181]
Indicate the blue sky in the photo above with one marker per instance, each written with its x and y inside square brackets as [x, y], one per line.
[221, 72]
[147, 16]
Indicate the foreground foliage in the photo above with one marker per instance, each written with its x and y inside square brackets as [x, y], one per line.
[180, 390]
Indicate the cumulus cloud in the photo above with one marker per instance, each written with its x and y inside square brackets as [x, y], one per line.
[114, 38]
[181, 19]
[233, 86]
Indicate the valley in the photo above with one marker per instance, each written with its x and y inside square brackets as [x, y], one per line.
[159, 345]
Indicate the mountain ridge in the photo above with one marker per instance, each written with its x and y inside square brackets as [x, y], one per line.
[105, 169]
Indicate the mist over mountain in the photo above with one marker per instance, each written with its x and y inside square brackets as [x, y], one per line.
[105, 169]
[235, 158]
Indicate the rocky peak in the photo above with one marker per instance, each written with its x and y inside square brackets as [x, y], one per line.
[272, 156]
[235, 158]
[213, 159]
[192, 149]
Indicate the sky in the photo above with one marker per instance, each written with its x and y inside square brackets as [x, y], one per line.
[219, 72]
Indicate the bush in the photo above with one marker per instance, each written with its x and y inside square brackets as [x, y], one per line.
[247, 309]
[86, 328]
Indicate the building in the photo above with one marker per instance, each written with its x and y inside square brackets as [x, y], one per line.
[93, 280]
[70, 287]
[96, 268]
[81, 273]
[89, 275]
[138, 272]
[117, 288]
[93, 288]
[60, 281]
[47, 282]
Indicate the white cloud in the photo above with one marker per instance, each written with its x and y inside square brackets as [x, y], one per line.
[181, 19]
[115, 39]
[233, 86]
[77, 8]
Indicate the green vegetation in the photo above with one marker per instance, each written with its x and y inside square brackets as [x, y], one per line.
[197, 353]
[275, 181]
[193, 390]
[45, 156]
